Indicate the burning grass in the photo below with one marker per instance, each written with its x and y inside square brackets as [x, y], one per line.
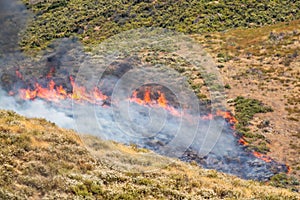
[158, 97]
[65, 169]
[267, 41]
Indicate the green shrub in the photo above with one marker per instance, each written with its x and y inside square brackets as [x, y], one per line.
[61, 18]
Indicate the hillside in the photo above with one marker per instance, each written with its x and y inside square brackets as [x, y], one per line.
[41, 161]
[255, 45]
[263, 64]
[93, 21]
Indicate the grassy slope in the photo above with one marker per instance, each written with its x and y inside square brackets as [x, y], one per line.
[40, 160]
[93, 21]
[263, 64]
[264, 59]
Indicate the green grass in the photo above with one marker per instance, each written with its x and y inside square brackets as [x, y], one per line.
[282, 180]
[245, 109]
[93, 21]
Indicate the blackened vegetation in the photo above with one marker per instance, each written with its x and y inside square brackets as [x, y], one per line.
[227, 155]
[59, 62]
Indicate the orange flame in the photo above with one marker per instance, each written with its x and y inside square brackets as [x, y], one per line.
[225, 114]
[228, 116]
[27, 94]
[60, 90]
[243, 142]
[55, 93]
[81, 95]
[135, 99]
[147, 97]
[19, 75]
[289, 169]
[262, 157]
[99, 95]
[162, 100]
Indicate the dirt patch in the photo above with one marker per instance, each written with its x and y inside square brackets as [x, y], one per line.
[265, 67]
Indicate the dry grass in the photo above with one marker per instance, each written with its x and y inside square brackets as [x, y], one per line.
[42, 161]
[263, 64]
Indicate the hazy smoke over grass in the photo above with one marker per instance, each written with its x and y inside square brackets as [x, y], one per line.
[37, 108]
[153, 129]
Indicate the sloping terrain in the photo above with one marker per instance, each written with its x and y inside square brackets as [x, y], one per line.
[258, 60]
[41, 161]
[93, 21]
[263, 63]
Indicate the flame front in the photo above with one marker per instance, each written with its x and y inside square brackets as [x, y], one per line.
[147, 97]
[150, 100]
[262, 156]
[55, 93]
[243, 142]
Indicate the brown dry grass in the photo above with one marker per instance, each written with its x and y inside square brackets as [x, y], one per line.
[44, 161]
[264, 64]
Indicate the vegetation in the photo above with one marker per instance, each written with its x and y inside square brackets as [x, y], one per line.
[257, 68]
[93, 21]
[40, 160]
[245, 109]
[282, 180]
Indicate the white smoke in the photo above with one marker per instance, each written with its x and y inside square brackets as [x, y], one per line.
[36, 108]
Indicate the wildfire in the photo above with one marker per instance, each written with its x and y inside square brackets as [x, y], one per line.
[232, 121]
[80, 94]
[289, 169]
[50, 93]
[55, 93]
[243, 142]
[262, 156]
[225, 114]
[137, 100]
[19, 75]
[162, 100]
[27, 94]
[150, 99]
[147, 97]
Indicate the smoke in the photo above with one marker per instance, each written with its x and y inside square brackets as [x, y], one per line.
[38, 109]
[63, 57]
[152, 128]
[226, 156]
[13, 18]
